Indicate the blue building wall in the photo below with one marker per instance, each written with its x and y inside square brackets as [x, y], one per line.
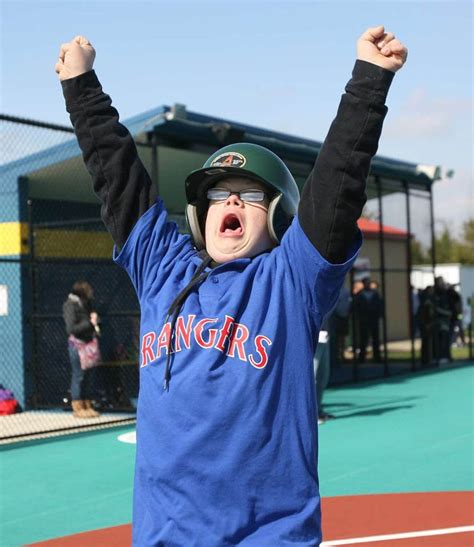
[14, 276]
[16, 367]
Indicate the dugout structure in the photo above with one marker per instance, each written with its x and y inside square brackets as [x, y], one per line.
[51, 236]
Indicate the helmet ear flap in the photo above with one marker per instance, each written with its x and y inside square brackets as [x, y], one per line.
[277, 220]
[194, 226]
[271, 215]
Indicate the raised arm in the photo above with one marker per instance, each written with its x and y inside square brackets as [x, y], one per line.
[119, 178]
[334, 194]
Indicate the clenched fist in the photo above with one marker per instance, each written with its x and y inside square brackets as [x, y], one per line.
[381, 48]
[75, 58]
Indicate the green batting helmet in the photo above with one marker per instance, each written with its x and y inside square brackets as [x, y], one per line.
[249, 161]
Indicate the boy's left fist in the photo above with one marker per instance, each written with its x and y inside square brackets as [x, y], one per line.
[381, 48]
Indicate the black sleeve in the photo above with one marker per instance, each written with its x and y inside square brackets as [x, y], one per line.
[80, 327]
[119, 178]
[334, 194]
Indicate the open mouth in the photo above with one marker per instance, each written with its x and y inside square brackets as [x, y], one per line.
[231, 225]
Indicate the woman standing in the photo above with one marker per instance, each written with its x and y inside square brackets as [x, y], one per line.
[82, 327]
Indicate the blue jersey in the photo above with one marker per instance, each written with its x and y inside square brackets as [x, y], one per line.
[228, 455]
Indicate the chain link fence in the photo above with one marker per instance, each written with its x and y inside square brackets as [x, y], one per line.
[51, 236]
[116, 380]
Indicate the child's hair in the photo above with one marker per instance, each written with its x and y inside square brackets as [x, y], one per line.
[83, 290]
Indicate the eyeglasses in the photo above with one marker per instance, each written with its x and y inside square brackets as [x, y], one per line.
[250, 196]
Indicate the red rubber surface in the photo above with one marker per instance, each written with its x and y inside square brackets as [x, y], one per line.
[347, 517]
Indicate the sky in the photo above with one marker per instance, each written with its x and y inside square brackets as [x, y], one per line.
[277, 65]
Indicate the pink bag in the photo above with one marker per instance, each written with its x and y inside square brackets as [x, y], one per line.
[89, 352]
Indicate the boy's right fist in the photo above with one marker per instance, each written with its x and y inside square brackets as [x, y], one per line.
[75, 58]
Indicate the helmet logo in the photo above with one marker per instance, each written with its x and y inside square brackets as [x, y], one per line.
[229, 159]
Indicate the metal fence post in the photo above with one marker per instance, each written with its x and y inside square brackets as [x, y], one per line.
[409, 268]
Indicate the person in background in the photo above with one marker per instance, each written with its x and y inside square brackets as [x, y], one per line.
[426, 318]
[322, 370]
[339, 326]
[443, 322]
[467, 318]
[368, 309]
[357, 286]
[456, 329]
[82, 324]
[415, 305]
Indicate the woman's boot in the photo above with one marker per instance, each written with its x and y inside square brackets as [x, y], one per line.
[91, 412]
[78, 410]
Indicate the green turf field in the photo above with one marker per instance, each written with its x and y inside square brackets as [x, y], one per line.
[411, 433]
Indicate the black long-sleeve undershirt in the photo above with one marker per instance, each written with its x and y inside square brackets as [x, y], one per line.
[333, 195]
[119, 178]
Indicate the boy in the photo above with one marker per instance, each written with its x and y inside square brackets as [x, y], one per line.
[226, 436]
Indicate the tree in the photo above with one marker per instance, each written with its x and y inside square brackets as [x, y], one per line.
[418, 253]
[466, 245]
[449, 249]
[446, 247]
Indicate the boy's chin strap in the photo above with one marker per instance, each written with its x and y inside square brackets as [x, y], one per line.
[173, 311]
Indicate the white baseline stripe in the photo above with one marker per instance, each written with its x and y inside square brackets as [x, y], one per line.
[405, 535]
